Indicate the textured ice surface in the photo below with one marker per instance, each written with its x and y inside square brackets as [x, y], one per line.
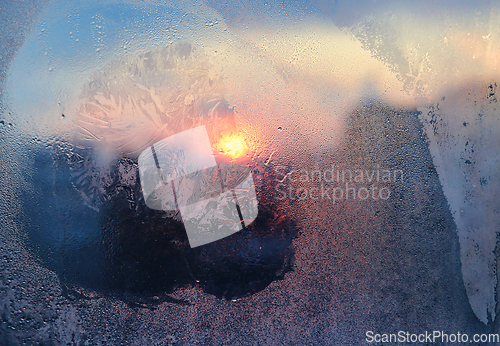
[98, 109]
[140, 100]
[299, 87]
[449, 64]
[464, 133]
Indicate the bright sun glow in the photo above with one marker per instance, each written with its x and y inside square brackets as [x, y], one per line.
[232, 145]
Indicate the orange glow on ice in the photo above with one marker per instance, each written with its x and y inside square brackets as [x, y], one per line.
[232, 145]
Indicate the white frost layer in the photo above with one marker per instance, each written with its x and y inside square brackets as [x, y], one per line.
[441, 50]
[464, 134]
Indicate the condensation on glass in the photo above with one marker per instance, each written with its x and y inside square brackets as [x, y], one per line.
[182, 148]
